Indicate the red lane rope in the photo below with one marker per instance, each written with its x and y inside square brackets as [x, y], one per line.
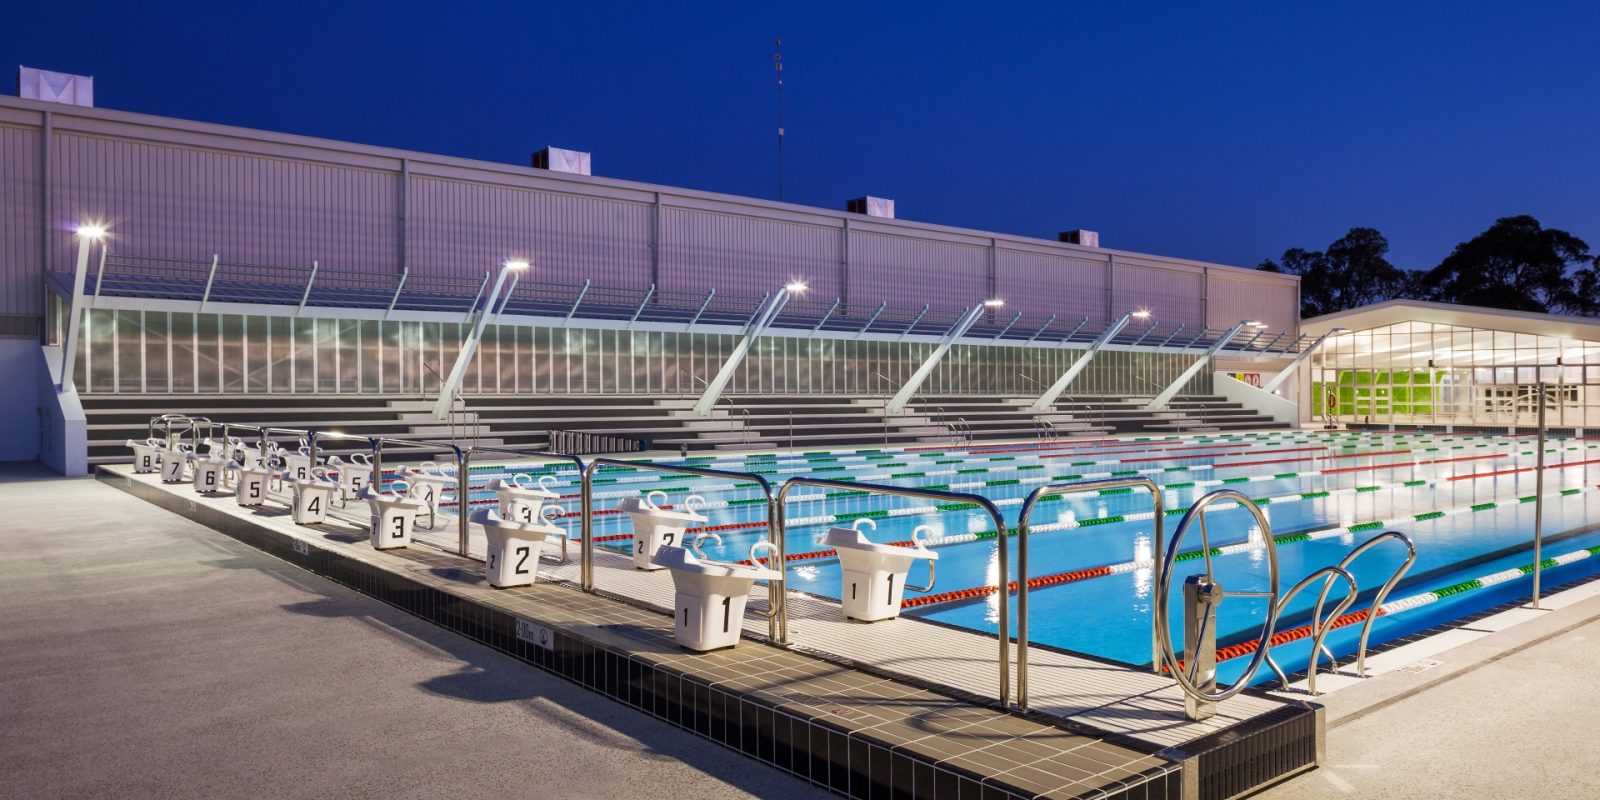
[1525, 469]
[1011, 588]
[1223, 465]
[1402, 464]
[1203, 455]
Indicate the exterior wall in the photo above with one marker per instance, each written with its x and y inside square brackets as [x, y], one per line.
[171, 188]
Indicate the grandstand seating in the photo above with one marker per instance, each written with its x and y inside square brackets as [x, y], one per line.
[667, 423]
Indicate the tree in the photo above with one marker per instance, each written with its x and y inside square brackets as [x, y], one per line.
[1520, 265]
[1354, 271]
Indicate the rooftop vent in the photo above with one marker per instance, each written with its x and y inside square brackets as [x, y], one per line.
[557, 160]
[55, 87]
[871, 206]
[1080, 236]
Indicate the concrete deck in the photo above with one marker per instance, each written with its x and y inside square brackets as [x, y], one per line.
[145, 656]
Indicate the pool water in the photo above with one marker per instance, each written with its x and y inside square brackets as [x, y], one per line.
[1464, 500]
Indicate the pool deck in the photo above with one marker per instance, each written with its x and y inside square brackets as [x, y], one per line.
[863, 710]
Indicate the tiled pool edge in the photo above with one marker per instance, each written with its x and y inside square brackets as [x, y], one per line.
[1217, 766]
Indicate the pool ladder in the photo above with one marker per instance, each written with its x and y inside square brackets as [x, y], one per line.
[1203, 594]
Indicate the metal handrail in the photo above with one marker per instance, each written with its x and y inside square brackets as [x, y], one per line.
[379, 442]
[1163, 593]
[1383, 593]
[934, 494]
[167, 421]
[777, 601]
[1318, 631]
[464, 485]
[1023, 517]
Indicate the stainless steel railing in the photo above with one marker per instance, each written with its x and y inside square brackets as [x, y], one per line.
[1024, 519]
[179, 424]
[1319, 631]
[777, 605]
[464, 486]
[1377, 599]
[982, 502]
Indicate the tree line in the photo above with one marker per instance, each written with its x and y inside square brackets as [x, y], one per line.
[1517, 264]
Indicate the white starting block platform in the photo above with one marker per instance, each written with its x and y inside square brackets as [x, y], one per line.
[1122, 701]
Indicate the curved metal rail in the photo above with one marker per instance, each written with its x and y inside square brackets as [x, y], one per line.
[1319, 631]
[1199, 699]
[777, 600]
[1382, 595]
[1023, 519]
[934, 494]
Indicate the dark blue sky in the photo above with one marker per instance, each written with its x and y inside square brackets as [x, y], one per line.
[1222, 135]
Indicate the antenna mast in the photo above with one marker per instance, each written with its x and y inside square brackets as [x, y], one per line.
[777, 63]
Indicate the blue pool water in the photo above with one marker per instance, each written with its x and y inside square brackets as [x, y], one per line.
[1110, 616]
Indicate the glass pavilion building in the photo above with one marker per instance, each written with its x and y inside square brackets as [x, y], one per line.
[1407, 362]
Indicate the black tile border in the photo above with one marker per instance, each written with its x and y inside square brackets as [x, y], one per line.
[849, 763]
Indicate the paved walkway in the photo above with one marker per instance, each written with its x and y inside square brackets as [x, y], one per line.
[1519, 726]
[142, 655]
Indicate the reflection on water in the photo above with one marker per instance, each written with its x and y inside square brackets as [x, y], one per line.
[991, 613]
[1144, 578]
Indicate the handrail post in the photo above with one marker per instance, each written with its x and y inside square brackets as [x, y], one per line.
[779, 529]
[1538, 503]
[1023, 517]
[777, 605]
[586, 535]
[463, 498]
[377, 463]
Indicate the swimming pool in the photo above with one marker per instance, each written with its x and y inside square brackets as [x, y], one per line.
[1465, 500]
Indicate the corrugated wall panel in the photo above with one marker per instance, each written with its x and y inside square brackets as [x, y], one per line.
[1272, 303]
[20, 288]
[186, 202]
[747, 255]
[910, 272]
[460, 227]
[1172, 296]
[1039, 285]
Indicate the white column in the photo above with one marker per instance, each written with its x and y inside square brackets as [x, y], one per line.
[1173, 388]
[87, 236]
[909, 390]
[1048, 400]
[441, 408]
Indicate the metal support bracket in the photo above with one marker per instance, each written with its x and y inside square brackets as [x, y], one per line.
[831, 309]
[703, 307]
[307, 296]
[204, 296]
[576, 302]
[396, 298]
[640, 310]
[872, 319]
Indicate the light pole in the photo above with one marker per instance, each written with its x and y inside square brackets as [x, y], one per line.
[88, 235]
[447, 390]
[762, 318]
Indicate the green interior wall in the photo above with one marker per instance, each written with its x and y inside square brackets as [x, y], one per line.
[1378, 393]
